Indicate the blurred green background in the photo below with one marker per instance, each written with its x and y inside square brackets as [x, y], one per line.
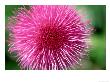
[96, 59]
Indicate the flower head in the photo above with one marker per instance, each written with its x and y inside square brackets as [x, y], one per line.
[48, 37]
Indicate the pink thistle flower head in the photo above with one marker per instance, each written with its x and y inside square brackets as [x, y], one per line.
[48, 37]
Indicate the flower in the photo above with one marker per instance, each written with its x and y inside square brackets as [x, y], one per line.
[48, 37]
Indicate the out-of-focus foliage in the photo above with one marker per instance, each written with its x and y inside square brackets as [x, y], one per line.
[96, 57]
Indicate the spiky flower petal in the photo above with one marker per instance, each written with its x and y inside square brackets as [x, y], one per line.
[48, 37]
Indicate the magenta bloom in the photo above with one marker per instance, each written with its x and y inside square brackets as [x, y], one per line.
[48, 37]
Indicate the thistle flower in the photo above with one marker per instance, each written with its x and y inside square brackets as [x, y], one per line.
[48, 37]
